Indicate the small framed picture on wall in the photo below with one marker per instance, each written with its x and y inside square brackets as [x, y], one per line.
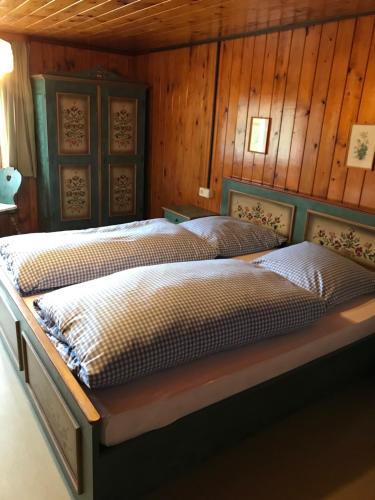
[259, 134]
[361, 147]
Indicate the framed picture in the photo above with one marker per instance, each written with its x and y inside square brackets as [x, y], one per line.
[122, 125]
[73, 119]
[75, 192]
[259, 134]
[361, 146]
[122, 197]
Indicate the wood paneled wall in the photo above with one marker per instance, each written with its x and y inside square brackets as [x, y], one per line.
[181, 99]
[48, 58]
[313, 83]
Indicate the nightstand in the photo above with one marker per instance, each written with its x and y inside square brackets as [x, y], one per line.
[182, 213]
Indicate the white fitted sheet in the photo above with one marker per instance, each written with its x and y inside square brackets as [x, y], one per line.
[160, 399]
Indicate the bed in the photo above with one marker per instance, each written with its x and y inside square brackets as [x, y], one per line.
[170, 422]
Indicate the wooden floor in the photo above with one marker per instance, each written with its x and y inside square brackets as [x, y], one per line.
[326, 451]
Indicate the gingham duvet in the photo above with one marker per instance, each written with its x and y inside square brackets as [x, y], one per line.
[44, 261]
[142, 320]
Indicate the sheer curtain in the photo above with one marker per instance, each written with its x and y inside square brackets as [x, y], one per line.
[17, 135]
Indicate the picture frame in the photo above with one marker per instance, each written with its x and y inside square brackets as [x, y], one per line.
[361, 146]
[259, 134]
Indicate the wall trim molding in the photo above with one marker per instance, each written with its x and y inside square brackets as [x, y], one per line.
[286, 27]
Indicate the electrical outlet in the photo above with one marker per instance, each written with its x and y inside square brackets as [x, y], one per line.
[205, 192]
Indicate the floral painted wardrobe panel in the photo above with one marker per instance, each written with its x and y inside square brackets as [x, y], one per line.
[90, 144]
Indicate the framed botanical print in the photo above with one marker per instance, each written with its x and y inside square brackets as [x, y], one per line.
[259, 134]
[122, 125]
[361, 147]
[75, 192]
[73, 123]
[122, 196]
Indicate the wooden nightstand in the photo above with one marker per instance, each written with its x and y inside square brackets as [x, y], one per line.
[182, 213]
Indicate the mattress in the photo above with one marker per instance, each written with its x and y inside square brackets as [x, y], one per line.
[160, 399]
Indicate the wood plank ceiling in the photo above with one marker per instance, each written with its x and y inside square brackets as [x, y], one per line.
[145, 25]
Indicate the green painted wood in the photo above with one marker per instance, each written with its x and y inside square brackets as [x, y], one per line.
[137, 160]
[174, 217]
[10, 182]
[98, 88]
[185, 212]
[90, 434]
[141, 464]
[302, 205]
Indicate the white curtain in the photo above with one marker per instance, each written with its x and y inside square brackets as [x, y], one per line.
[17, 135]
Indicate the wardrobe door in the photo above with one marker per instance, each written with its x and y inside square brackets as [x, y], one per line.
[123, 143]
[72, 117]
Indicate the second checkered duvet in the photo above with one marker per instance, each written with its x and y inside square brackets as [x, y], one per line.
[133, 323]
[44, 261]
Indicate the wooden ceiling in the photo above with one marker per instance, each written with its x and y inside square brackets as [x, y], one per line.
[145, 25]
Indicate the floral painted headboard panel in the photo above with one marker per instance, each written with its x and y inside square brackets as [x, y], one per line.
[272, 214]
[353, 240]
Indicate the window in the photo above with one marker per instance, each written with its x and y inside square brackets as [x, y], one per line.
[6, 66]
[6, 58]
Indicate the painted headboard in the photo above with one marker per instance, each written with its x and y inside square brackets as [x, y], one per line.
[344, 230]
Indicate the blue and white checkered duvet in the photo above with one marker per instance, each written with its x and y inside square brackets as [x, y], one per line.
[142, 320]
[44, 261]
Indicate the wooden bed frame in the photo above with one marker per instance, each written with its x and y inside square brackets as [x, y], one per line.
[72, 424]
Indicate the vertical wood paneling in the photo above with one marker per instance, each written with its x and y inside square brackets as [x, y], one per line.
[313, 83]
[289, 108]
[220, 126]
[318, 103]
[332, 113]
[183, 83]
[234, 96]
[52, 58]
[350, 105]
[368, 115]
[301, 121]
[278, 94]
[254, 101]
[266, 96]
[243, 104]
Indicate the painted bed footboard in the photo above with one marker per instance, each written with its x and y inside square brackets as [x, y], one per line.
[67, 417]
[126, 471]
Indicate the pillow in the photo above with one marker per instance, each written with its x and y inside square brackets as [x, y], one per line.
[323, 272]
[232, 237]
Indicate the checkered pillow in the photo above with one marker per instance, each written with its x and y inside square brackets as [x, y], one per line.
[234, 237]
[331, 276]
